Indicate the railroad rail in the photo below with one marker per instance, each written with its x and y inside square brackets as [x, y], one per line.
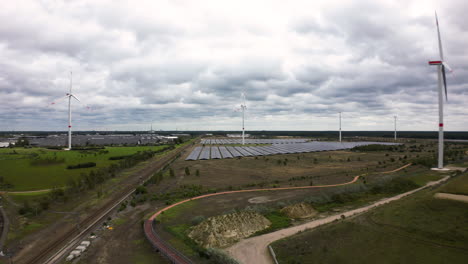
[54, 250]
[164, 248]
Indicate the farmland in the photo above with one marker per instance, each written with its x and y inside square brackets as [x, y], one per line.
[39, 168]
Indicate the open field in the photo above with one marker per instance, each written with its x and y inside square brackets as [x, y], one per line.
[458, 185]
[282, 170]
[417, 229]
[301, 169]
[22, 168]
[178, 220]
[290, 170]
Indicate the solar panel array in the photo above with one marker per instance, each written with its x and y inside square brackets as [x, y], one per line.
[214, 152]
[252, 141]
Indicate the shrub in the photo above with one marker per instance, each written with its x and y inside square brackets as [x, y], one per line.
[217, 256]
[141, 190]
[198, 219]
[119, 157]
[82, 165]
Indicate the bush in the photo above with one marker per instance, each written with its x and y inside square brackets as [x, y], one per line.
[374, 148]
[198, 219]
[216, 256]
[119, 157]
[82, 165]
[141, 190]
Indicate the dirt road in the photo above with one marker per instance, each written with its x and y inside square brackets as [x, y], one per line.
[254, 250]
[455, 197]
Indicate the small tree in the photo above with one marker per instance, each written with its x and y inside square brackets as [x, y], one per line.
[197, 173]
[187, 171]
[171, 172]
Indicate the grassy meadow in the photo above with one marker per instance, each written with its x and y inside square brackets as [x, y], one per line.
[416, 229]
[21, 169]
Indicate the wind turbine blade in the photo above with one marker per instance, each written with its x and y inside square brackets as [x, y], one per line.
[58, 100]
[75, 97]
[447, 66]
[445, 81]
[440, 41]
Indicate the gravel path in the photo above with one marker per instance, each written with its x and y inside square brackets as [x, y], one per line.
[254, 250]
[456, 197]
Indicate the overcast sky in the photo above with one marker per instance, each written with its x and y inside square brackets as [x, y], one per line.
[183, 64]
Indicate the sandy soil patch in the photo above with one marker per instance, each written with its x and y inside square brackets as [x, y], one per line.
[261, 199]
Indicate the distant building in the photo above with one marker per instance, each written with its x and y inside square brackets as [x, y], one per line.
[181, 135]
[237, 135]
[4, 144]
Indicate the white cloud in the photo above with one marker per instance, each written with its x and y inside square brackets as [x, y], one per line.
[185, 63]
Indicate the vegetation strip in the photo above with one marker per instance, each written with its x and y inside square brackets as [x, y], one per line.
[156, 241]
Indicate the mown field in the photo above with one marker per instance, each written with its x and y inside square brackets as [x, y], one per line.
[24, 169]
[417, 229]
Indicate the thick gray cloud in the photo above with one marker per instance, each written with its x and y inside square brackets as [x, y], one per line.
[184, 64]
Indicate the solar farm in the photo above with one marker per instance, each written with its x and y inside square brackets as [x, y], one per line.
[252, 141]
[228, 152]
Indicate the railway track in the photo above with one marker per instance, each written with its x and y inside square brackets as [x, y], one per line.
[56, 248]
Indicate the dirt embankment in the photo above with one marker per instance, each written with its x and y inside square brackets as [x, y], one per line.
[224, 230]
[298, 211]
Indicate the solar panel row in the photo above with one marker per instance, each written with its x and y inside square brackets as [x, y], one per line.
[205, 153]
[252, 141]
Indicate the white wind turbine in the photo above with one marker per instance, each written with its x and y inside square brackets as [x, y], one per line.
[243, 107]
[69, 96]
[395, 117]
[442, 85]
[340, 124]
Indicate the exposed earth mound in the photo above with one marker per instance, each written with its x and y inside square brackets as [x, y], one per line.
[300, 210]
[224, 230]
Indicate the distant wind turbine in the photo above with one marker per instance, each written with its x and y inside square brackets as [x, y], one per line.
[395, 117]
[340, 124]
[243, 107]
[442, 83]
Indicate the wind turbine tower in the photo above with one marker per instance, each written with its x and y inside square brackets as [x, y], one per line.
[70, 95]
[394, 123]
[243, 106]
[442, 86]
[340, 124]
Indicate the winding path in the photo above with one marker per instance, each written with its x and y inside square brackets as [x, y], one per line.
[254, 250]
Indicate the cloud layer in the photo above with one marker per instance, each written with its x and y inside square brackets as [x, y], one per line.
[183, 64]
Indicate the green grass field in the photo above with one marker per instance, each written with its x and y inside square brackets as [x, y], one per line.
[417, 229]
[17, 167]
[458, 185]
